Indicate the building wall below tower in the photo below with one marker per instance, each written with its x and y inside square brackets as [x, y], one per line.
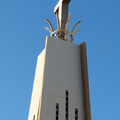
[62, 72]
[58, 69]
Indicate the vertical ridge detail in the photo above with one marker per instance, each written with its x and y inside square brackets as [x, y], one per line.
[85, 83]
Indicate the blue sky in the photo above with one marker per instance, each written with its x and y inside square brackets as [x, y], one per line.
[22, 38]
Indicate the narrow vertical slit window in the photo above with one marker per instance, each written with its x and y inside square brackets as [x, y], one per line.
[57, 111]
[66, 106]
[34, 117]
[76, 114]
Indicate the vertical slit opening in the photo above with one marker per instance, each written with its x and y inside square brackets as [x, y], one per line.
[57, 111]
[66, 105]
[34, 117]
[76, 114]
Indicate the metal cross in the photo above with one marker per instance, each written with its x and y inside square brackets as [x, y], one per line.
[62, 10]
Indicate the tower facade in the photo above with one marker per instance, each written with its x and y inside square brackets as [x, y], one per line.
[60, 89]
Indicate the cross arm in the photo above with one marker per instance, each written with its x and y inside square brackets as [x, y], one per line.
[59, 3]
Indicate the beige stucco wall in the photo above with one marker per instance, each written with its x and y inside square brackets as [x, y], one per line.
[37, 86]
[61, 71]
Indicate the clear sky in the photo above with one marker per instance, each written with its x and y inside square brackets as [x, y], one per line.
[22, 38]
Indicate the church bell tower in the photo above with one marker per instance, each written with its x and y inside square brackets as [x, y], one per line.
[61, 87]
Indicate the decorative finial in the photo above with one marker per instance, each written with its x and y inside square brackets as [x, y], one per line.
[61, 11]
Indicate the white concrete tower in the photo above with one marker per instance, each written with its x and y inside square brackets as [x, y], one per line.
[61, 89]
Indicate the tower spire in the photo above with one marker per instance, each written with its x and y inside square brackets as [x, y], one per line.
[61, 9]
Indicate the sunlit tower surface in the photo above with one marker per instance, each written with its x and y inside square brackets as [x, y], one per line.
[61, 88]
